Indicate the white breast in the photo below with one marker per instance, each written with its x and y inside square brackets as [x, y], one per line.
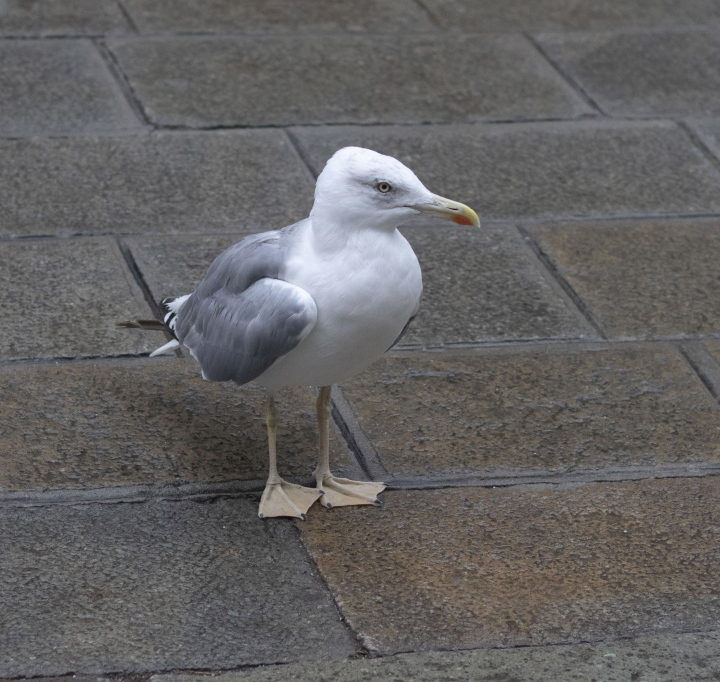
[365, 291]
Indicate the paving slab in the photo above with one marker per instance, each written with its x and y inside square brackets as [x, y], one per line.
[158, 586]
[173, 265]
[199, 81]
[581, 168]
[62, 298]
[484, 285]
[150, 421]
[223, 16]
[641, 279]
[713, 346]
[59, 86]
[519, 15]
[708, 130]
[673, 657]
[164, 182]
[668, 73]
[496, 413]
[473, 567]
[61, 18]
[479, 284]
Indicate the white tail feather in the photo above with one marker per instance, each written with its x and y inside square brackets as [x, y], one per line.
[168, 346]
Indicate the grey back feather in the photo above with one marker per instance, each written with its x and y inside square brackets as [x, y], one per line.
[242, 317]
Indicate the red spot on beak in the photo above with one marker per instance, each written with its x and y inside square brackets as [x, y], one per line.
[462, 220]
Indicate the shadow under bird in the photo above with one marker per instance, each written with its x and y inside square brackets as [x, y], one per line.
[313, 304]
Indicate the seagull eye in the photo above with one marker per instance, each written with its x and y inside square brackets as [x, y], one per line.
[383, 187]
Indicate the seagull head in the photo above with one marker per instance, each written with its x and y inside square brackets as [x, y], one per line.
[361, 188]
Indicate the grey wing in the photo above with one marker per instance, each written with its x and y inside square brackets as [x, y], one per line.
[242, 317]
[236, 337]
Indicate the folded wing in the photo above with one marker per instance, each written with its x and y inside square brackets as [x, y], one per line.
[242, 318]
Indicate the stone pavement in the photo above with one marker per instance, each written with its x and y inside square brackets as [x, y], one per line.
[549, 427]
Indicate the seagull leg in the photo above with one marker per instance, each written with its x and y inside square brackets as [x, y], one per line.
[338, 492]
[281, 498]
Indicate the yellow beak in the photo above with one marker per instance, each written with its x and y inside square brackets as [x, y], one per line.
[447, 209]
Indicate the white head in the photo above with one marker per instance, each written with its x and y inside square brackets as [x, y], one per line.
[361, 188]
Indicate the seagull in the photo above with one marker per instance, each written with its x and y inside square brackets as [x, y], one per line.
[313, 304]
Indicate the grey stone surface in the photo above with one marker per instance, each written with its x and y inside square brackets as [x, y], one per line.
[59, 86]
[163, 182]
[670, 73]
[582, 168]
[61, 17]
[62, 298]
[278, 15]
[500, 413]
[690, 658]
[173, 265]
[484, 285]
[472, 568]
[149, 421]
[201, 81]
[157, 586]
[125, 591]
[713, 346]
[518, 15]
[478, 284]
[642, 279]
[708, 130]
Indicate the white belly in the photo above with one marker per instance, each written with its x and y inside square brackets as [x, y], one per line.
[364, 298]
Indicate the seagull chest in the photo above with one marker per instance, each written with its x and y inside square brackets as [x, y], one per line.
[365, 294]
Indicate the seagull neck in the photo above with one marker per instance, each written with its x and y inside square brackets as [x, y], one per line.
[333, 231]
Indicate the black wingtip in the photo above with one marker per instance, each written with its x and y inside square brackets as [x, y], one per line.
[169, 315]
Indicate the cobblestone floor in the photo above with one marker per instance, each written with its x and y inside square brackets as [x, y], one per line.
[549, 429]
